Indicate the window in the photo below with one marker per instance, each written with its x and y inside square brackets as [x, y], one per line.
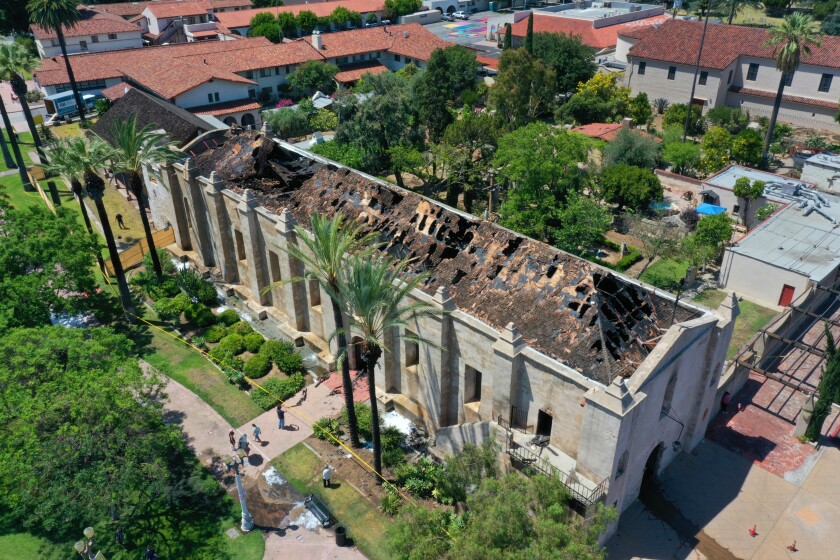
[789, 79]
[240, 245]
[83, 85]
[412, 351]
[252, 93]
[703, 77]
[472, 385]
[266, 92]
[752, 72]
[112, 36]
[729, 78]
[289, 69]
[211, 97]
[672, 72]
[377, 54]
[396, 58]
[642, 68]
[83, 45]
[276, 70]
[53, 42]
[280, 89]
[825, 83]
[94, 38]
[314, 293]
[341, 60]
[249, 74]
[264, 72]
[669, 394]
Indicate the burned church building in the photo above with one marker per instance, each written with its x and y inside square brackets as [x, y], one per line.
[593, 376]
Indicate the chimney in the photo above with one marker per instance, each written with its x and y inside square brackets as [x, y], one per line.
[405, 34]
[317, 42]
[626, 122]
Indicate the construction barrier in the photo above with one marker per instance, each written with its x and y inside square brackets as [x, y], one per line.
[133, 255]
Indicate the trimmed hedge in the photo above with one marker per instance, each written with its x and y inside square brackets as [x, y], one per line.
[257, 366]
[228, 317]
[284, 355]
[241, 327]
[628, 260]
[233, 343]
[215, 333]
[200, 315]
[253, 343]
[278, 390]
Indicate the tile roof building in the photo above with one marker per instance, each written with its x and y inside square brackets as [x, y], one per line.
[223, 74]
[597, 37]
[737, 69]
[240, 22]
[94, 32]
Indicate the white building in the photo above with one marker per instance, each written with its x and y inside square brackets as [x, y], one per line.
[95, 32]
[823, 169]
[737, 69]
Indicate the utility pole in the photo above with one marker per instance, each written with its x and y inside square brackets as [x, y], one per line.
[696, 71]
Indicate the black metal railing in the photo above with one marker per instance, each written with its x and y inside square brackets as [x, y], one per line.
[519, 419]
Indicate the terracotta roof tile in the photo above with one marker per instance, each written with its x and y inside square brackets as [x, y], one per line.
[415, 41]
[117, 91]
[411, 40]
[174, 9]
[606, 131]
[208, 33]
[356, 71]
[226, 108]
[488, 62]
[220, 4]
[678, 41]
[790, 98]
[265, 56]
[122, 9]
[243, 18]
[174, 77]
[600, 38]
[92, 23]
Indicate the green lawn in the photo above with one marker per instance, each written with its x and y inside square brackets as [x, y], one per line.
[365, 524]
[26, 145]
[192, 370]
[665, 274]
[750, 320]
[71, 130]
[23, 545]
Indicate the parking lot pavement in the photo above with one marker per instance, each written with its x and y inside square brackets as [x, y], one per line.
[467, 33]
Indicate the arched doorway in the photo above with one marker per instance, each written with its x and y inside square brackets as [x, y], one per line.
[354, 353]
[440, 10]
[230, 121]
[248, 120]
[450, 10]
[652, 463]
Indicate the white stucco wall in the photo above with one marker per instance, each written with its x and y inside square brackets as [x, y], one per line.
[655, 83]
[825, 177]
[127, 40]
[757, 281]
[228, 91]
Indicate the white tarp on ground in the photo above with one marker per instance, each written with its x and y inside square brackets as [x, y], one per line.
[398, 421]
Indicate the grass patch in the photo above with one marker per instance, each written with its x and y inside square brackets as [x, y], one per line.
[751, 319]
[12, 187]
[71, 130]
[23, 545]
[665, 274]
[192, 370]
[25, 143]
[366, 525]
[116, 203]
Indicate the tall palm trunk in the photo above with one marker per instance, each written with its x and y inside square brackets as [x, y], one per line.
[95, 186]
[19, 87]
[771, 128]
[73, 85]
[135, 183]
[24, 177]
[76, 187]
[349, 404]
[732, 11]
[372, 355]
[7, 156]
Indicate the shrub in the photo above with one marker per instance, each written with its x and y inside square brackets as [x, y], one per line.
[199, 342]
[233, 343]
[326, 426]
[418, 478]
[363, 417]
[288, 122]
[283, 103]
[241, 327]
[215, 333]
[323, 120]
[228, 317]
[166, 264]
[164, 310]
[290, 363]
[146, 282]
[200, 315]
[277, 390]
[628, 260]
[257, 366]
[690, 217]
[392, 441]
[665, 274]
[253, 342]
[390, 503]
[199, 289]
[273, 348]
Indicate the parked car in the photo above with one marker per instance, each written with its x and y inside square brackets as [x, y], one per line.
[447, 17]
[461, 15]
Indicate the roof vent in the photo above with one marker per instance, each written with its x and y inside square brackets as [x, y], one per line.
[405, 34]
[317, 41]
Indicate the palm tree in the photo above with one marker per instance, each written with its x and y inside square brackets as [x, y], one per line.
[792, 40]
[15, 59]
[374, 291]
[92, 156]
[134, 149]
[7, 156]
[738, 5]
[323, 256]
[64, 161]
[24, 177]
[53, 15]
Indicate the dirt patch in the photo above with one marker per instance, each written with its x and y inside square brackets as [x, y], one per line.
[349, 470]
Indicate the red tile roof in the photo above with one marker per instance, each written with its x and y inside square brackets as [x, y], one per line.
[243, 18]
[606, 131]
[353, 73]
[411, 40]
[264, 56]
[488, 62]
[790, 98]
[226, 108]
[679, 40]
[220, 4]
[116, 92]
[162, 10]
[208, 33]
[92, 23]
[174, 77]
[122, 9]
[600, 38]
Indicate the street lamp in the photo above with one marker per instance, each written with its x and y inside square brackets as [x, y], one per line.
[233, 463]
[85, 547]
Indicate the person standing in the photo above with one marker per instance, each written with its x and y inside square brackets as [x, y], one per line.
[232, 438]
[256, 430]
[327, 475]
[281, 417]
[119, 536]
[724, 402]
[120, 221]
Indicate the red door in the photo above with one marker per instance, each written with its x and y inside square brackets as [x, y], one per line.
[787, 295]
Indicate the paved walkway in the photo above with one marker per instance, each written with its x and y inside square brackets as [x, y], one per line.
[308, 545]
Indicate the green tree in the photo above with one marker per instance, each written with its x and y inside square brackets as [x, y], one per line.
[288, 24]
[46, 261]
[55, 15]
[658, 238]
[746, 147]
[15, 60]
[508, 43]
[322, 252]
[270, 31]
[267, 3]
[828, 388]
[714, 231]
[683, 157]
[313, 76]
[570, 59]
[449, 73]
[600, 99]
[86, 444]
[287, 122]
[632, 147]
[374, 293]
[339, 17]
[396, 8]
[529, 34]
[791, 40]
[405, 159]
[674, 116]
[822, 9]
[466, 154]
[641, 111]
[749, 191]
[831, 24]
[717, 147]
[776, 8]
[524, 88]
[729, 118]
[136, 149]
[628, 186]
[583, 223]
[306, 21]
[539, 161]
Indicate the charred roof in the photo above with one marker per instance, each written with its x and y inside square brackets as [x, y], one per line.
[578, 313]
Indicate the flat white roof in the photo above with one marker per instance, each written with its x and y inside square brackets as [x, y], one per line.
[728, 176]
[825, 159]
